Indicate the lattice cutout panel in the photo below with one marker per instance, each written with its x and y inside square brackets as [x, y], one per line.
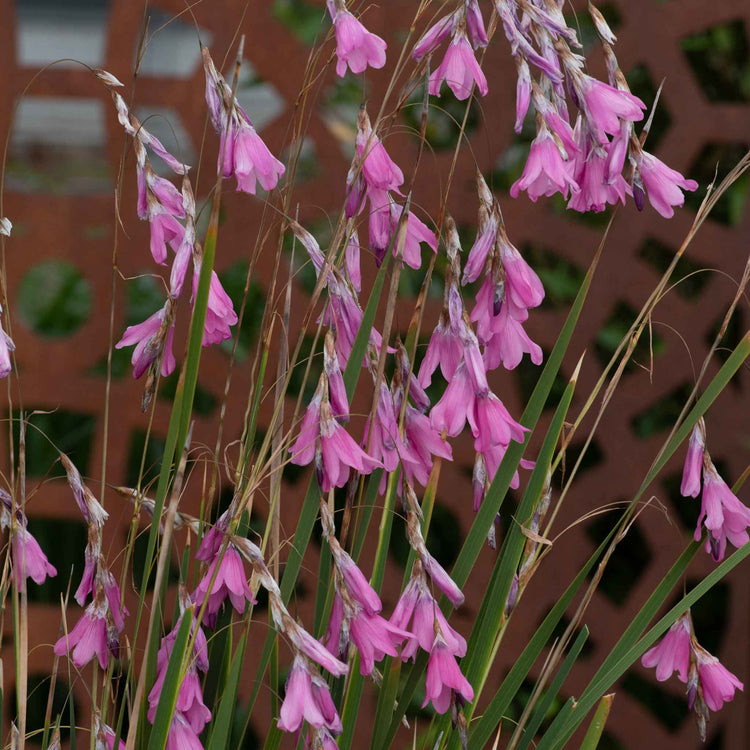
[64, 156]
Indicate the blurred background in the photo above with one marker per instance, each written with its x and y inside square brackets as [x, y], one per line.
[62, 165]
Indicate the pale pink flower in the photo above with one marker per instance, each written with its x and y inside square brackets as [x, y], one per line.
[724, 516]
[356, 47]
[434, 36]
[522, 285]
[165, 229]
[444, 677]
[220, 314]
[475, 24]
[307, 699]
[181, 735]
[252, 161]
[336, 388]
[663, 184]
[459, 69]
[379, 171]
[547, 171]
[484, 242]
[607, 106]
[717, 682]
[89, 637]
[29, 561]
[230, 581]
[673, 653]
[6, 347]
[417, 232]
[383, 441]
[151, 341]
[691, 472]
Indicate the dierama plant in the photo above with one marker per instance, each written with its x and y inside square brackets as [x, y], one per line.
[177, 686]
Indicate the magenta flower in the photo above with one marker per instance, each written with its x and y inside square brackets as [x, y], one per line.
[418, 607]
[152, 338]
[509, 342]
[189, 699]
[165, 229]
[28, 559]
[522, 285]
[724, 516]
[607, 106]
[6, 347]
[379, 171]
[220, 314]
[547, 171]
[663, 184]
[484, 242]
[444, 677]
[475, 24]
[459, 69]
[336, 388]
[307, 699]
[181, 735]
[718, 684]
[445, 347]
[374, 637]
[417, 232]
[673, 653]
[422, 441]
[230, 581]
[384, 442]
[322, 438]
[450, 413]
[691, 473]
[434, 36]
[596, 191]
[89, 637]
[356, 47]
[491, 423]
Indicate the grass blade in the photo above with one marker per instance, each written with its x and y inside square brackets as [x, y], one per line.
[596, 728]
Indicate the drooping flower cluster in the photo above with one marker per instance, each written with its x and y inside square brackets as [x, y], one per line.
[355, 615]
[97, 633]
[722, 513]
[583, 157]
[191, 714]
[242, 152]
[374, 176]
[459, 68]
[307, 696]
[171, 216]
[709, 684]
[29, 561]
[418, 612]
[356, 47]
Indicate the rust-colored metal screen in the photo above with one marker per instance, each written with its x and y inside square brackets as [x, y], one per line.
[63, 163]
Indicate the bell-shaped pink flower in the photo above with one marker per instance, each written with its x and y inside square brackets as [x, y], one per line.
[374, 638]
[691, 472]
[607, 106]
[717, 682]
[724, 516]
[475, 24]
[444, 677]
[6, 347]
[417, 232]
[230, 581]
[522, 285]
[379, 171]
[451, 412]
[445, 347]
[307, 699]
[181, 735]
[434, 36]
[151, 341]
[253, 162]
[509, 342]
[165, 229]
[356, 47]
[491, 423]
[459, 69]
[663, 185]
[88, 638]
[422, 442]
[547, 171]
[29, 561]
[596, 190]
[673, 653]
[220, 314]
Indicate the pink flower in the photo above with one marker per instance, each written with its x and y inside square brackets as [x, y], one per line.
[379, 171]
[416, 233]
[357, 585]
[451, 412]
[356, 47]
[220, 314]
[418, 607]
[434, 36]
[475, 24]
[422, 442]
[165, 229]
[596, 191]
[374, 637]
[230, 581]
[547, 171]
[444, 678]
[523, 93]
[445, 347]
[485, 240]
[28, 559]
[459, 70]
[663, 184]
[607, 106]
[6, 347]
[673, 653]
[351, 262]
[522, 285]
[252, 162]
[88, 638]
[491, 423]
[691, 473]
[307, 699]
[509, 342]
[336, 388]
[181, 735]
[384, 441]
[717, 682]
[725, 517]
[153, 338]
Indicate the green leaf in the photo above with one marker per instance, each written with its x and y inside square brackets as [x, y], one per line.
[172, 682]
[596, 728]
